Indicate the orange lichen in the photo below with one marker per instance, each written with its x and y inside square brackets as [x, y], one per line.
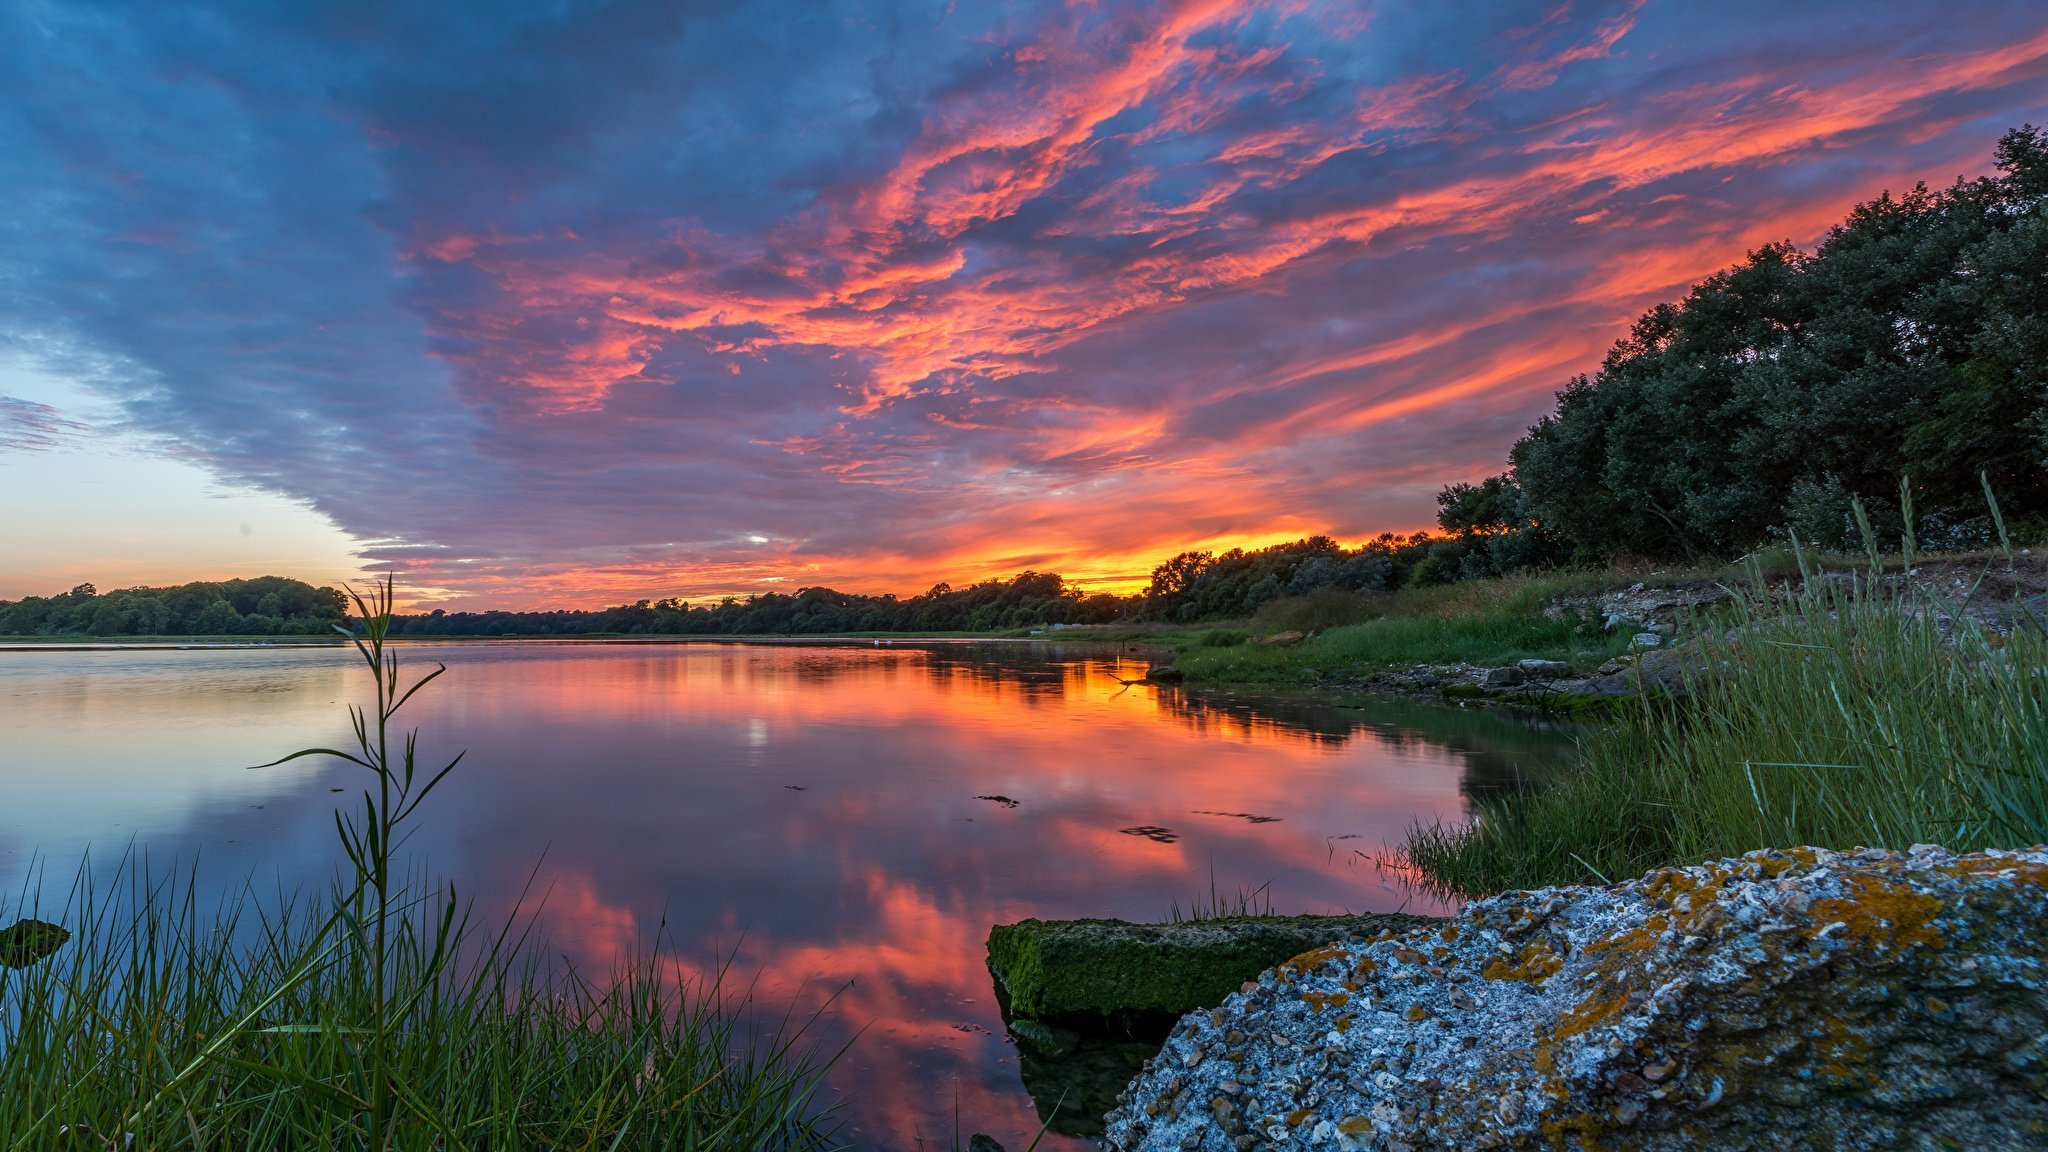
[1322, 1000]
[1296, 1117]
[1882, 912]
[1342, 1023]
[1365, 967]
[1586, 1128]
[2023, 871]
[1450, 933]
[1840, 1054]
[1310, 960]
[1635, 940]
[1418, 1013]
[1591, 1014]
[1532, 965]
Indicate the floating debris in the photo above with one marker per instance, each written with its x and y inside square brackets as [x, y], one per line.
[1005, 801]
[1245, 816]
[794, 787]
[1152, 832]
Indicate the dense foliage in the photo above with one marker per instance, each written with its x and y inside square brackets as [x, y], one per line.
[1913, 343]
[1030, 599]
[264, 606]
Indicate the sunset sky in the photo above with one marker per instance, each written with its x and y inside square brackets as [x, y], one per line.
[574, 304]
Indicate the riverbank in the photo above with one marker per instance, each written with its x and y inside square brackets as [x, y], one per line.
[1879, 709]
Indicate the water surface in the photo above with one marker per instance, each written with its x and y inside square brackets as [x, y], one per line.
[815, 812]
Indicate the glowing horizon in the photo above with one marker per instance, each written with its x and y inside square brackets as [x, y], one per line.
[570, 309]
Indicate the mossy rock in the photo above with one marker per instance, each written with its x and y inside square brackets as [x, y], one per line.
[27, 941]
[1049, 969]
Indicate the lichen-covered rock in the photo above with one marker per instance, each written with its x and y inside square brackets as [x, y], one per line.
[1059, 968]
[1786, 999]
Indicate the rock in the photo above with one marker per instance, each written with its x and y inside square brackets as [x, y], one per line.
[1617, 665]
[980, 1142]
[1100, 968]
[1641, 606]
[1280, 638]
[1043, 1040]
[1502, 678]
[1544, 669]
[1164, 674]
[1642, 640]
[26, 942]
[1786, 999]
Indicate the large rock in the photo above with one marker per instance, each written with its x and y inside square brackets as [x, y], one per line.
[1795, 999]
[1051, 969]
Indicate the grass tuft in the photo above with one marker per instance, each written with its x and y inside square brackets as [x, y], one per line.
[1859, 712]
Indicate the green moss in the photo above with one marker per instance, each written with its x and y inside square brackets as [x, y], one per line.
[1054, 968]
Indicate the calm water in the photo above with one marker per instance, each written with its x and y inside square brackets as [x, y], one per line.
[811, 810]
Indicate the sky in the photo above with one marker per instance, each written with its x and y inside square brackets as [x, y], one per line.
[567, 304]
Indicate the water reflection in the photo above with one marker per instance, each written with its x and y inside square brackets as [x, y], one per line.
[821, 814]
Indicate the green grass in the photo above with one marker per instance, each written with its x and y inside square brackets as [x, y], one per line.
[1217, 905]
[1487, 622]
[248, 1026]
[1844, 718]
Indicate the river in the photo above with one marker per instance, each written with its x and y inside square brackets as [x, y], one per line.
[841, 821]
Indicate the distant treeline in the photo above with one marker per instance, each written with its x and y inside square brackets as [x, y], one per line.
[264, 606]
[1027, 600]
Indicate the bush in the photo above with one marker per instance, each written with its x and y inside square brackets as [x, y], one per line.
[1318, 611]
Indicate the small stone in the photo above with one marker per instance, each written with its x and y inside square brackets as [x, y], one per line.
[982, 1142]
[1509, 1108]
[1658, 1071]
[1643, 640]
[27, 942]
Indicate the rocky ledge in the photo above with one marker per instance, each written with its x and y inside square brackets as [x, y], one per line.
[1786, 999]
